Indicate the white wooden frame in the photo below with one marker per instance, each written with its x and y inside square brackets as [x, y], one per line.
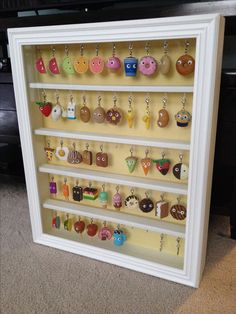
[208, 31]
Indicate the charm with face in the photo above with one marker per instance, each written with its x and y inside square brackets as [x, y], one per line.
[131, 65]
[96, 65]
[102, 159]
[45, 107]
[147, 65]
[77, 193]
[131, 162]
[53, 66]
[117, 200]
[146, 164]
[68, 66]
[113, 64]
[99, 113]
[183, 117]
[40, 67]
[180, 171]
[132, 201]
[74, 157]
[56, 112]
[113, 116]
[146, 205]
[81, 65]
[178, 212]
[85, 114]
[62, 152]
[105, 234]
[185, 64]
[71, 110]
[119, 237]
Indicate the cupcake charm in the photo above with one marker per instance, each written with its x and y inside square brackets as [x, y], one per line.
[165, 62]
[162, 165]
[67, 64]
[103, 197]
[131, 161]
[183, 117]
[81, 63]
[117, 199]
[131, 63]
[147, 64]
[114, 115]
[99, 113]
[185, 64]
[113, 63]
[180, 170]
[132, 201]
[96, 64]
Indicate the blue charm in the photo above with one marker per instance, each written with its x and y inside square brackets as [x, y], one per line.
[119, 237]
[131, 65]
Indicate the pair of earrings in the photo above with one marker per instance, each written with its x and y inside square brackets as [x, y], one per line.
[162, 241]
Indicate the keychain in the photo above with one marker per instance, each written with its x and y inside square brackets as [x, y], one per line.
[44, 106]
[56, 221]
[67, 63]
[84, 112]
[114, 115]
[53, 66]
[65, 189]
[39, 63]
[79, 226]
[130, 113]
[185, 63]
[146, 163]
[56, 110]
[101, 158]
[62, 152]
[131, 161]
[178, 211]
[103, 197]
[117, 199]
[132, 201]
[92, 229]
[74, 156]
[180, 170]
[113, 63]
[77, 192]
[87, 156]
[147, 116]
[163, 115]
[71, 109]
[99, 113]
[162, 208]
[96, 64]
[68, 223]
[183, 117]
[53, 187]
[146, 204]
[165, 62]
[90, 193]
[147, 64]
[49, 152]
[119, 236]
[131, 63]
[81, 63]
[162, 165]
[105, 233]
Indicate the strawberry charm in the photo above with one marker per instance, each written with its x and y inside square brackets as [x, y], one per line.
[162, 165]
[44, 106]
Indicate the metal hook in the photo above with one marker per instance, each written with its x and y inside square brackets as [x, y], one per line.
[101, 148]
[99, 100]
[84, 100]
[187, 44]
[130, 49]
[117, 188]
[181, 156]
[130, 98]
[66, 50]
[82, 50]
[163, 155]
[114, 50]
[165, 46]
[146, 153]
[147, 47]
[97, 49]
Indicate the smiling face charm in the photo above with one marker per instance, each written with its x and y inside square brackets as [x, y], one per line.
[81, 65]
[56, 112]
[131, 65]
[185, 64]
[146, 205]
[113, 64]
[119, 237]
[147, 65]
[96, 65]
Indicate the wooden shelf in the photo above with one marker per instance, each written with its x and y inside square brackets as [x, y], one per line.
[100, 176]
[150, 224]
[130, 140]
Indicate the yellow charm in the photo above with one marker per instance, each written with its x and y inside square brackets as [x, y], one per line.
[147, 115]
[130, 114]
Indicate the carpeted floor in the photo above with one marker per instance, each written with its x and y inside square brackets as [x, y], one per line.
[38, 279]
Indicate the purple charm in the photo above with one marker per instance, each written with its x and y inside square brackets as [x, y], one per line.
[53, 187]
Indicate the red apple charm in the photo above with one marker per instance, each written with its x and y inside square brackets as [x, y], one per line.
[45, 107]
[79, 226]
[92, 229]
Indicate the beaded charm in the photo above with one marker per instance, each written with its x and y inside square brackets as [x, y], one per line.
[163, 115]
[147, 116]
[96, 64]
[79, 226]
[77, 192]
[53, 66]
[81, 63]
[130, 63]
[65, 189]
[87, 156]
[74, 156]
[147, 64]
[114, 115]
[185, 63]
[105, 233]
[84, 112]
[119, 237]
[101, 158]
[99, 113]
[113, 63]
[67, 63]
[103, 197]
[162, 165]
[62, 152]
[130, 113]
[52, 187]
[146, 204]
[165, 62]
[132, 201]
[68, 223]
[92, 229]
[146, 163]
[117, 199]
[131, 161]
[180, 170]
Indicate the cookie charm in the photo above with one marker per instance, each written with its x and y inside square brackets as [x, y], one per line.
[67, 64]
[71, 109]
[53, 66]
[130, 63]
[52, 187]
[165, 62]
[92, 229]
[147, 64]
[146, 163]
[79, 226]
[87, 156]
[56, 110]
[99, 113]
[65, 189]
[119, 237]
[85, 112]
[68, 223]
[146, 204]
[180, 170]
[131, 161]
[101, 158]
[162, 165]
[45, 107]
[74, 157]
[77, 192]
[178, 211]
[132, 201]
[147, 116]
[81, 63]
[90, 193]
[96, 64]
[113, 63]
[163, 115]
[39, 64]
[114, 115]
[62, 152]
[130, 113]
[162, 208]
[103, 197]
[49, 152]
[56, 221]
[105, 233]
[185, 63]
[117, 199]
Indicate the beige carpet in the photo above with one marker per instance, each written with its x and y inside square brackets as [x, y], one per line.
[38, 279]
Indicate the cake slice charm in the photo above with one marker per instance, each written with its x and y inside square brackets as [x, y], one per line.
[131, 161]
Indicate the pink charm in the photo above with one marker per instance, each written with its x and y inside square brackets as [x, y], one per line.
[105, 234]
[96, 65]
[113, 63]
[147, 65]
[53, 67]
[117, 199]
[40, 67]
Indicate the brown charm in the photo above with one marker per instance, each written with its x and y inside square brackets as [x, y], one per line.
[114, 115]
[101, 159]
[84, 112]
[87, 156]
[178, 212]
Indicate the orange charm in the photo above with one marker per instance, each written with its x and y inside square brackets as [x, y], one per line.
[65, 190]
[146, 163]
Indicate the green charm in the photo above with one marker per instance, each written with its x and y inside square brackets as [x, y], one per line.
[68, 65]
[68, 223]
[131, 161]
[162, 165]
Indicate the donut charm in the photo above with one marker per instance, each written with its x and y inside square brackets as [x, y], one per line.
[146, 205]
[96, 65]
[178, 212]
[185, 64]
[180, 171]
[147, 65]
[113, 64]
[132, 201]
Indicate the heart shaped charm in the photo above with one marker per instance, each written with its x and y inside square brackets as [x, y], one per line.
[162, 165]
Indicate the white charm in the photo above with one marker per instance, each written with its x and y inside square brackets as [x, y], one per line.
[62, 152]
[71, 114]
[56, 112]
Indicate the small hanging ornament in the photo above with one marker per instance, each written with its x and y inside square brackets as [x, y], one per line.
[92, 229]
[56, 221]
[132, 201]
[146, 163]
[178, 211]
[146, 204]
[81, 63]
[161, 242]
[96, 64]
[147, 64]
[79, 226]
[178, 240]
[162, 165]
[39, 63]
[85, 112]
[71, 109]
[74, 156]
[131, 161]
[56, 110]
[62, 152]
[105, 233]
[147, 116]
[117, 199]
[65, 189]
[131, 63]
[130, 113]
[77, 192]
[99, 113]
[183, 117]
[163, 115]
[90, 193]
[53, 187]
[103, 197]
[119, 237]
[44, 106]
[114, 115]
[165, 62]
[101, 158]
[185, 63]
[87, 156]
[180, 170]
[53, 66]
[49, 152]
[113, 63]
[67, 64]
[162, 208]
[68, 223]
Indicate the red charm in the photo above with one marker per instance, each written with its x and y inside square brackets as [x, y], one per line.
[79, 226]
[53, 67]
[92, 229]
[45, 107]
[40, 67]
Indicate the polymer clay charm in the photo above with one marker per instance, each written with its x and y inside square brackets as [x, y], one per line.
[62, 152]
[119, 237]
[113, 63]
[96, 64]
[131, 161]
[85, 112]
[99, 114]
[68, 223]
[56, 110]
[146, 204]
[147, 64]
[77, 192]
[71, 109]
[165, 62]
[79, 226]
[45, 107]
[162, 208]
[130, 113]
[183, 117]
[92, 229]
[53, 66]
[103, 197]
[39, 64]
[114, 115]
[101, 158]
[67, 64]
[146, 163]
[90, 193]
[185, 64]
[87, 156]
[74, 156]
[105, 233]
[132, 201]
[147, 116]
[65, 189]
[49, 152]
[180, 170]
[52, 187]
[56, 221]
[162, 165]
[178, 211]
[163, 115]
[131, 63]
[117, 199]
[81, 64]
